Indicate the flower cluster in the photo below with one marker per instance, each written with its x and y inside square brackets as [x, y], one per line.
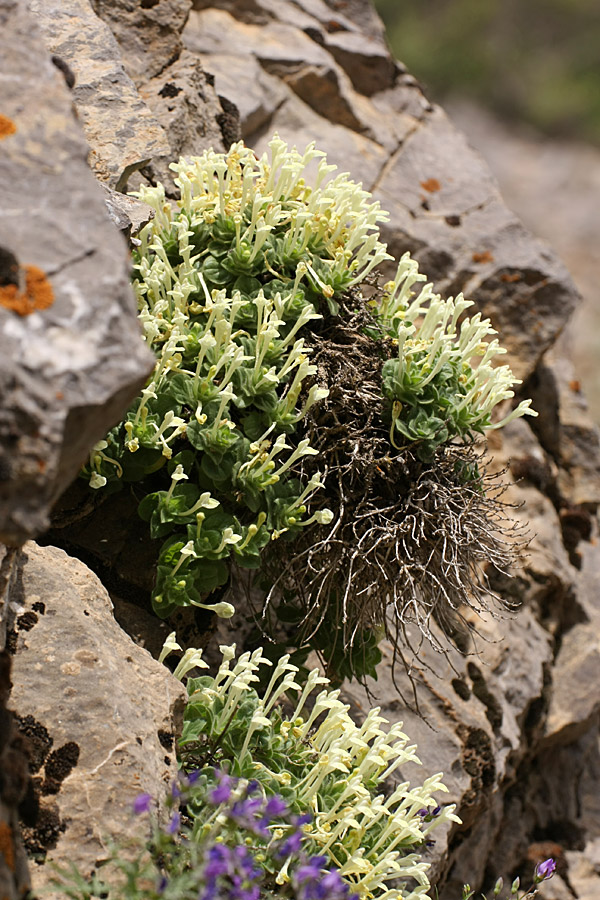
[226, 286]
[317, 759]
[438, 392]
[223, 840]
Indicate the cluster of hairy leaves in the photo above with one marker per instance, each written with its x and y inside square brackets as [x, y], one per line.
[443, 381]
[307, 750]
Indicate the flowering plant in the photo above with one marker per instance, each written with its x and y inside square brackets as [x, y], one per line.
[228, 850]
[317, 760]
[243, 292]
[543, 871]
[225, 288]
[437, 392]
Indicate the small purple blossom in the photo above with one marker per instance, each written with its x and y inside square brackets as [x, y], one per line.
[275, 806]
[222, 792]
[311, 883]
[174, 824]
[545, 870]
[142, 804]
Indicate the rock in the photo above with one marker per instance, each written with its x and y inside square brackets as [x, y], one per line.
[101, 713]
[281, 49]
[263, 95]
[122, 132]
[183, 99]
[573, 708]
[566, 429]
[15, 796]
[73, 358]
[128, 214]
[149, 34]
[366, 60]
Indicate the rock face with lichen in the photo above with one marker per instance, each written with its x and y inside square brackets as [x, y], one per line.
[514, 725]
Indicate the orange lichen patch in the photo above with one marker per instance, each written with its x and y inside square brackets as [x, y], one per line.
[509, 278]
[483, 257]
[7, 126]
[7, 846]
[432, 185]
[38, 293]
[575, 385]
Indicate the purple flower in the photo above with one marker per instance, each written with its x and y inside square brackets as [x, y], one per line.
[276, 806]
[222, 792]
[173, 826]
[544, 870]
[311, 883]
[162, 883]
[142, 804]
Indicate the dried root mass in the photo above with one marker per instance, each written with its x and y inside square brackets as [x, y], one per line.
[410, 542]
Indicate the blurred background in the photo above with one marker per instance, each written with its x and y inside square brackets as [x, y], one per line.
[522, 79]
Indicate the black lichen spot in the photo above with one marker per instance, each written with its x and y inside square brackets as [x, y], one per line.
[461, 688]
[27, 621]
[40, 742]
[29, 807]
[453, 221]
[493, 710]
[39, 607]
[45, 834]
[67, 71]
[229, 122]
[169, 90]
[9, 268]
[11, 641]
[166, 739]
[62, 761]
[477, 757]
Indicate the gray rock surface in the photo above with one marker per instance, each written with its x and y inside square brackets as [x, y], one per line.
[149, 34]
[122, 132]
[72, 359]
[99, 712]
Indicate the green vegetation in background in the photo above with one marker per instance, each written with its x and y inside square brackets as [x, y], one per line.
[537, 61]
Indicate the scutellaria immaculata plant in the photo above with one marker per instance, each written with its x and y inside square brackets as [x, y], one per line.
[316, 759]
[285, 411]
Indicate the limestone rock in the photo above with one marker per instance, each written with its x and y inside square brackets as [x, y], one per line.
[183, 100]
[366, 60]
[566, 430]
[574, 704]
[128, 214]
[72, 354]
[149, 34]
[263, 93]
[100, 713]
[122, 132]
